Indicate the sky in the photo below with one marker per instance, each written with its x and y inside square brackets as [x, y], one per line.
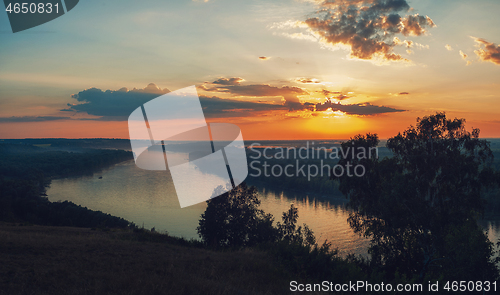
[284, 69]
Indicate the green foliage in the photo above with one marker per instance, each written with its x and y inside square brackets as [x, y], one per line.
[415, 205]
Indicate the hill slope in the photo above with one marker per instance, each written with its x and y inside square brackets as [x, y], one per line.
[65, 260]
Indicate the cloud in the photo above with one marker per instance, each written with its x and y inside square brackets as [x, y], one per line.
[264, 57]
[215, 107]
[409, 44]
[366, 27]
[116, 105]
[448, 47]
[462, 54]
[400, 93]
[259, 90]
[338, 95]
[230, 81]
[289, 93]
[113, 104]
[361, 109]
[328, 93]
[487, 51]
[307, 80]
[415, 25]
[31, 119]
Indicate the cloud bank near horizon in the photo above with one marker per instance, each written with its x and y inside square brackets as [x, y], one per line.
[117, 105]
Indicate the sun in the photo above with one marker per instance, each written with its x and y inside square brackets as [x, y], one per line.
[334, 124]
[331, 113]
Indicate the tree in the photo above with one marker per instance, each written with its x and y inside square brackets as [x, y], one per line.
[416, 205]
[289, 232]
[234, 220]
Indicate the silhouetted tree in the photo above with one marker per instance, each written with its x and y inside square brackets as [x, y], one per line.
[289, 232]
[420, 206]
[234, 220]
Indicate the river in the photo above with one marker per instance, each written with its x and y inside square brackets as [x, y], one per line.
[148, 199]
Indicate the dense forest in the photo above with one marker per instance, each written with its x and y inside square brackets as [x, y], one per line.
[25, 173]
[71, 144]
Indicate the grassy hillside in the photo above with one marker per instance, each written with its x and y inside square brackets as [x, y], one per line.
[65, 260]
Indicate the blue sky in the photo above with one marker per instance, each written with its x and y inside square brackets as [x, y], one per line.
[115, 43]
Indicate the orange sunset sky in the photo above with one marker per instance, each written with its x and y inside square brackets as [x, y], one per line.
[285, 69]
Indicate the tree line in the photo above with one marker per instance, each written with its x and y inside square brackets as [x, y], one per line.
[26, 172]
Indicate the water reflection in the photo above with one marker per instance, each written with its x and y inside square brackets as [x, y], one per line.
[326, 217]
[148, 198]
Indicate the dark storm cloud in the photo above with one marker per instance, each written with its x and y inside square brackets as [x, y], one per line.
[367, 27]
[113, 104]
